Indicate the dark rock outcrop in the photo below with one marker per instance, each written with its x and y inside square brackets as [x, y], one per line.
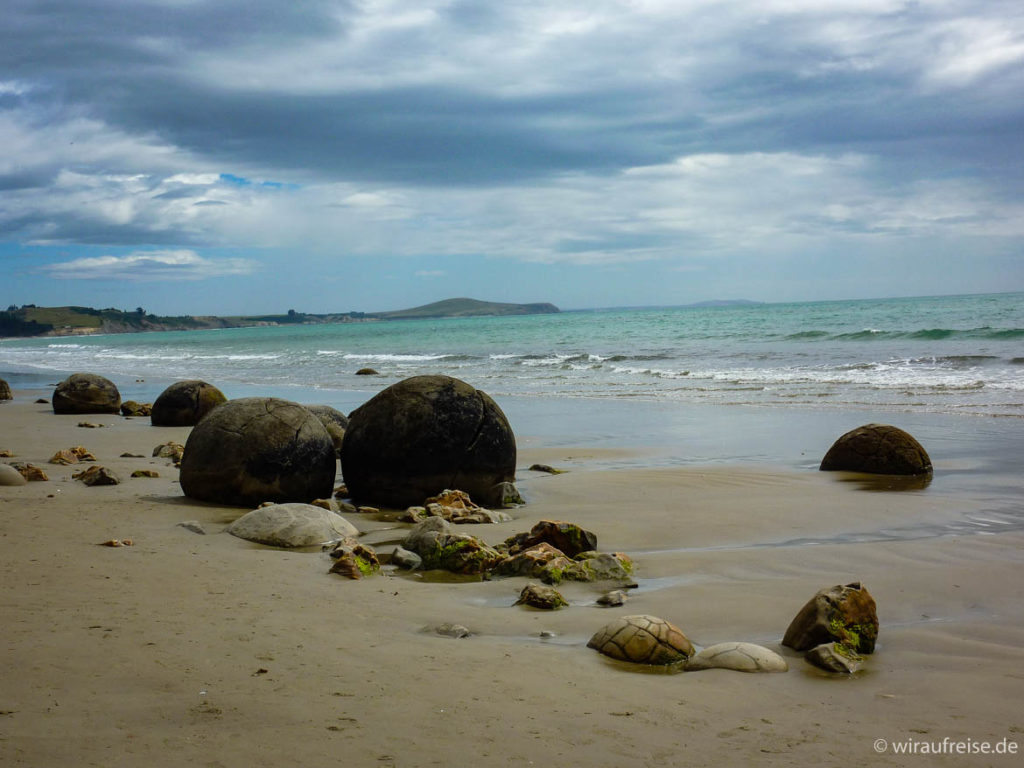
[423, 435]
[86, 393]
[879, 449]
[184, 403]
[258, 449]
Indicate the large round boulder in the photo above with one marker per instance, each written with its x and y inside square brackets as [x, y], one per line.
[333, 420]
[184, 403]
[879, 449]
[425, 434]
[86, 393]
[258, 449]
[5, 391]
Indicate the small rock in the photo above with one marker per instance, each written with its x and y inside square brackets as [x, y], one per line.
[366, 372]
[145, 473]
[353, 559]
[193, 525]
[507, 495]
[64, 457]
[546, 634]
[133, 408]
[89, 425]
[367, 510]
[30, 472]
[170, 450]
[835, 657]
[341, 492]
[97, 476]
[11, 476]
[403, 558]
[544, 598]
[117, 543]
[42, 401]
[455, 631]
[127, 455]
[742, 657]
[612, 599]
[6, 454]
[328, 504]
[546, 468]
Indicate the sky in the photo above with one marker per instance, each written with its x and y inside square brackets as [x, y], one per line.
[252, 156]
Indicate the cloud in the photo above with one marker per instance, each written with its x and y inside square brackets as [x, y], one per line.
[146, 266]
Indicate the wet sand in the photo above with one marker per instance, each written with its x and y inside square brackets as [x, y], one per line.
[209, 650]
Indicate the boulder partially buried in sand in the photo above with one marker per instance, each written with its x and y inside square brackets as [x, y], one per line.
[86, 393]
[423, 435]
[184, 403]
[291, 525]
[879, 449]
[642, 640]
[258, 449]
[742, 657]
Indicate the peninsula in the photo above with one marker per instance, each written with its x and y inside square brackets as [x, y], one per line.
[31, 320]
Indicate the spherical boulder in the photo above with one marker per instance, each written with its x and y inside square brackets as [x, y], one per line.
[5, 391]
[642, 640]
[184, 403]
[425, 434]
[879, 449]
[86, 393]
[258, 449]
[333, 420]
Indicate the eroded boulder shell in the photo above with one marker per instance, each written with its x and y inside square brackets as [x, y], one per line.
[258, 449]
[86, 393]
[425, 434]
[742, 657]
[291, 525]
[843, 614]
[184, 403]
[642, 640]
[879, 449]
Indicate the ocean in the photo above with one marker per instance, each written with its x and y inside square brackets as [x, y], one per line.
[954, 354]
[771, 383]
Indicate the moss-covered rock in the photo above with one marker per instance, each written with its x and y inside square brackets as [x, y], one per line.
[841, 614]
[543, 598]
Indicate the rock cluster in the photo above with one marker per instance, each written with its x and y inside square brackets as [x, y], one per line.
[86, 393]
[455, 507]
[352, 559]
[72, 455]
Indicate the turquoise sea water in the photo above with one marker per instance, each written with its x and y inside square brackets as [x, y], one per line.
[950, 355]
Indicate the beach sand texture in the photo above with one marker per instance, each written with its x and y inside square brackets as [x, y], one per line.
[206, 650]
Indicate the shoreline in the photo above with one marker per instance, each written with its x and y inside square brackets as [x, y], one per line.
[222, 651]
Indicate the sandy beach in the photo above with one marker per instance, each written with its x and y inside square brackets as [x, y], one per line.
[208, 650]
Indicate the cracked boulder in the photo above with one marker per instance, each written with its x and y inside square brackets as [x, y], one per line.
[879, 449]
[333, 420]
[642, 640]
[184, 403]
[86, 393]
[258, 449]
[425, 434]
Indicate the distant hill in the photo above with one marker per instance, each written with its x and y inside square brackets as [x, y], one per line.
[468, 308]
[30, 320]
